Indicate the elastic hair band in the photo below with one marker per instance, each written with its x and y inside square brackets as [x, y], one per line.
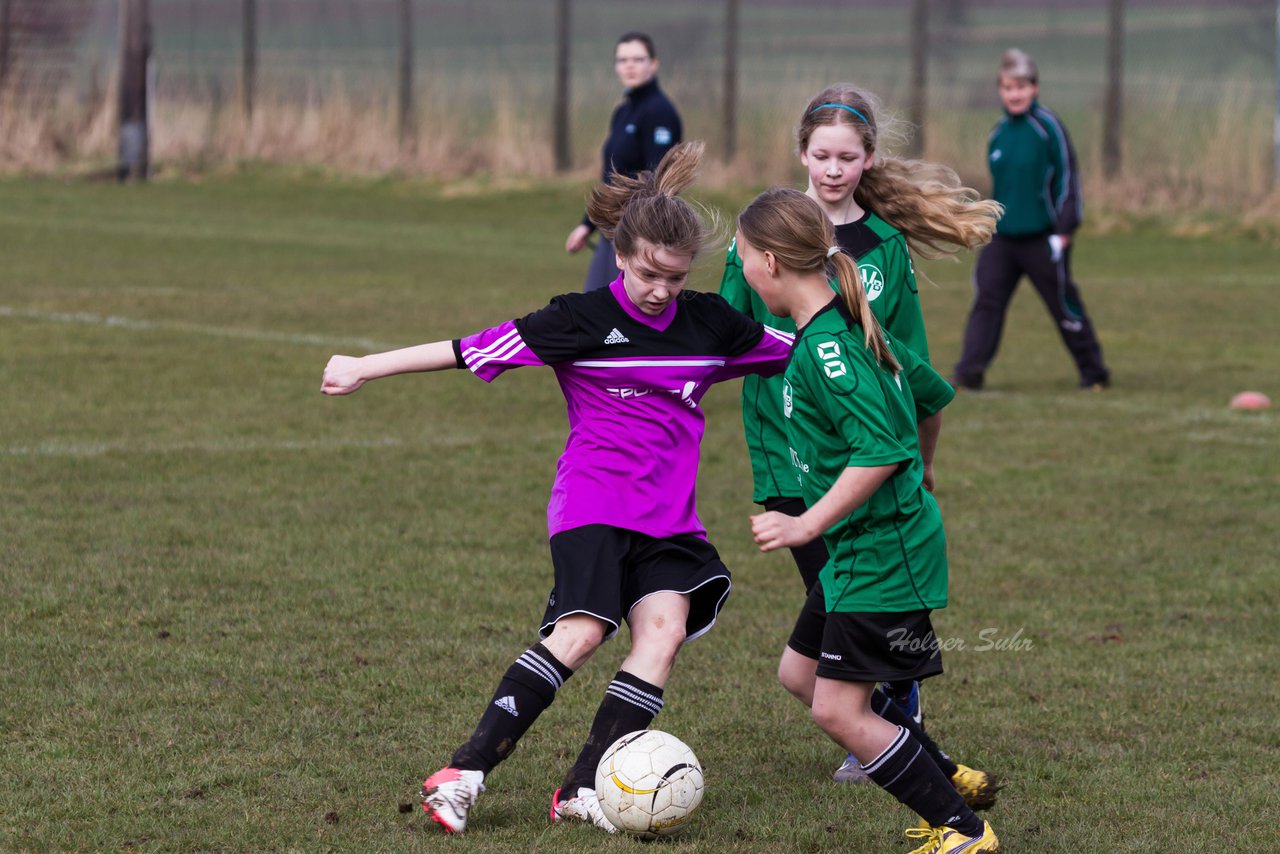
[833, 251]
[865, 120]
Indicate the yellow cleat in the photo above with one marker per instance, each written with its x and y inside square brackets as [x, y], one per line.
[946, 840]
[978, 788]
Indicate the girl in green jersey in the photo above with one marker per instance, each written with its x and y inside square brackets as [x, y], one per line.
[883, 209]
[862, 414]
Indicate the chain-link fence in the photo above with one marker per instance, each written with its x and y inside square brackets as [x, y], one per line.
[1199, 82]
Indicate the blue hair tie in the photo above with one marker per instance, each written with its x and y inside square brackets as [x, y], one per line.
[865, 120]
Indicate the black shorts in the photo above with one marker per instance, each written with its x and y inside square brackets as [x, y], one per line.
[812, 556]
[604, 571]
[806, 637]
[866, 646]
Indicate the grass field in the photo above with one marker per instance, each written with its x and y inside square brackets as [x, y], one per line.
[236, 615]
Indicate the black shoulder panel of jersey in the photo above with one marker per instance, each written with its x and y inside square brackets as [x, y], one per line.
[857, 238]
[594, 326]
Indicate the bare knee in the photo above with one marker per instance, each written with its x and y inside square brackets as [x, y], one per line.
[574, 639]
[832, 718]
[826, 717]
[797, 673]
[655, 643]
[795, 686]
[661, 638]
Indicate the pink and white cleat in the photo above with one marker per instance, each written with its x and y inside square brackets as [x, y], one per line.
[449, 794]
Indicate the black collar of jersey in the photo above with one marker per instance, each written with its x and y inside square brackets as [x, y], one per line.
[837, 305]
[857, 238]
[643, 91]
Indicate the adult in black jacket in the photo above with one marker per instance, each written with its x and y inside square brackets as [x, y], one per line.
[643, 128]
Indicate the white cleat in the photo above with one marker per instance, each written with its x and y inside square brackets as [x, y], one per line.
[449, 794]
[584, 806]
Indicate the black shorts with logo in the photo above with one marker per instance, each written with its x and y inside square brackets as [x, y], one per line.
[604, 571]
[858, 646]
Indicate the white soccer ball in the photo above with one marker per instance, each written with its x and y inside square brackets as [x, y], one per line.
[649, 783]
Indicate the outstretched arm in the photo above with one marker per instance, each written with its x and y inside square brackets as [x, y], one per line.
[856, 484]
[345, 374]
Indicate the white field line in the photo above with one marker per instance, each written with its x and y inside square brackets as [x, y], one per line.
[55, 448]
[97, 449]
[1220, 438]
[132, 324]
[1197, 423]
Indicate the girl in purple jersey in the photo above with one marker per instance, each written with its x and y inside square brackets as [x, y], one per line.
[633, 360]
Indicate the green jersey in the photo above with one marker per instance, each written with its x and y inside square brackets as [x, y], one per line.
[843, 409]
[890, 281]
[1034, 174]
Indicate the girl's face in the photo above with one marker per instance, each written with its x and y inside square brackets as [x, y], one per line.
[634, 65]
[654, 276]
[1017, 94]
[836, 159]
[758, 268]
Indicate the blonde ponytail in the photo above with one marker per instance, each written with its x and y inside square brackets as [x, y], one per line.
[927, 203]
[789, 224]
[854, 294]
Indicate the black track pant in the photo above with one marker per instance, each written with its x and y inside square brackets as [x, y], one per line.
[1001, 264]
[603, 268]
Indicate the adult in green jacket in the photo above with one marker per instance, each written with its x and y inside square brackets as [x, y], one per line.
[1034, 175]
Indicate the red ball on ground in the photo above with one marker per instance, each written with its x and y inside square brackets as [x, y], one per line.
[1250, 400]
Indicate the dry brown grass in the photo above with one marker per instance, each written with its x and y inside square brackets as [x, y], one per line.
[1176, 158]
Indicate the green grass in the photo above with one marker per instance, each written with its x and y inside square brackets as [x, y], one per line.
[237, 615]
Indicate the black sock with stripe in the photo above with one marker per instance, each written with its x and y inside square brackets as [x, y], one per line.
[906, 771]
[884, 706]
[527, 688]
[629, 704]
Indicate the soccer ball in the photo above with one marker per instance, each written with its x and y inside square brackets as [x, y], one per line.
[649, 783]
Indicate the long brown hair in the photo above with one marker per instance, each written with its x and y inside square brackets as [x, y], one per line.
[648, 207]
[924, 200]
[794, 228]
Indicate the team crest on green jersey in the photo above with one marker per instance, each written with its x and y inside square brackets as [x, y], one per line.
[872, 280]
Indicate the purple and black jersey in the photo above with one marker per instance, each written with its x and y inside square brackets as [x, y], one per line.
[632, 384]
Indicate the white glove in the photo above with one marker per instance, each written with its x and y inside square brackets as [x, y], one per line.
[1055, 248]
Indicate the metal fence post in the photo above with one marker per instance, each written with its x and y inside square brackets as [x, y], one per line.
[730, 79]
[561, 118]
[919, 71]
[248, 56]
[1113, 114]
[6, 27]
[406, 116]
[135, 53]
